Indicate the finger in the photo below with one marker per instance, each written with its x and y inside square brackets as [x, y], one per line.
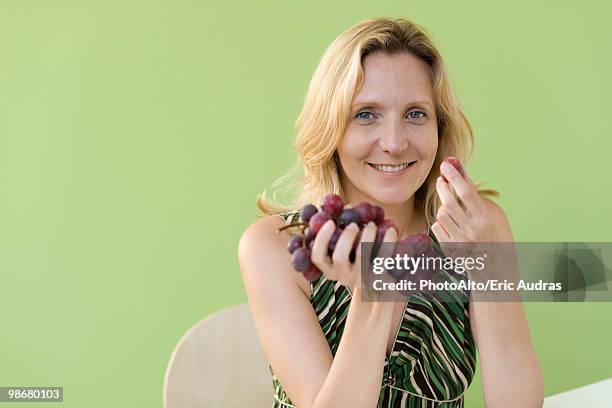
[449, 201]
[385, 250]
[463, 172]
[366, 244]
[387, 247]
[369, 232]
[319, 255]
[368, 236]
[446, 247]
[440, 232]
[345, 245]
[451, 228]
[466, 191]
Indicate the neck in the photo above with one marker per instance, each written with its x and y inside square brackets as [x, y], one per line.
[403, 215]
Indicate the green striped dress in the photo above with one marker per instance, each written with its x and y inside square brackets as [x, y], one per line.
[433, 358]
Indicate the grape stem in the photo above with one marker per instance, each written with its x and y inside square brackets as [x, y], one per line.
[295, 224]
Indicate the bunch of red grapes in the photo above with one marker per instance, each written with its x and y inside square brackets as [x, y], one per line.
[333, 208]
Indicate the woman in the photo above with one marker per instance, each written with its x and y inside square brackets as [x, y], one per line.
[379, 119]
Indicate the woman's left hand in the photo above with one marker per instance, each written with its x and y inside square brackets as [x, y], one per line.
[469, 221]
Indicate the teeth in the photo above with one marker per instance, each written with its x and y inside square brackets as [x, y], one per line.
[390, 169]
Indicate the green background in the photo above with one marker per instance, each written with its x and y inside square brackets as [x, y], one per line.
[134, 137]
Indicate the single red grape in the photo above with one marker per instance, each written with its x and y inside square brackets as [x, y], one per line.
[312, 274]
[349, 215]
[332, 203]
[365, 211]
[295, 243]
[379, 214]
[413, 245]
[307, 212]
[317, 221]
[301, 260]
[418, 238]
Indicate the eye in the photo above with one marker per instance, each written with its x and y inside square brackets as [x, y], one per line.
[359, 115]
[424, 114]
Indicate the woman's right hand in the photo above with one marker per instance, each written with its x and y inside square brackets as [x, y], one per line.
[338, 267]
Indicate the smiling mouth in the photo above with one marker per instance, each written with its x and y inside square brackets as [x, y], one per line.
[391, 169]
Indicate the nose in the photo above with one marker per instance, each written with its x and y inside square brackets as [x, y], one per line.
[393, 139]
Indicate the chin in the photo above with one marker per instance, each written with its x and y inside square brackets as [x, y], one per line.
[391, 197]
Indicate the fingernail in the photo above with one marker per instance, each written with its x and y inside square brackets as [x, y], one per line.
[445, 167]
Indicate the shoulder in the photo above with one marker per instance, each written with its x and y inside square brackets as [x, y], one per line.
[262, 253]
[494, 209]
[262, 235]
[496, 213]
[265, 231]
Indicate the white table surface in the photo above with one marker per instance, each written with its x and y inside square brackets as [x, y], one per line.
[596, 395]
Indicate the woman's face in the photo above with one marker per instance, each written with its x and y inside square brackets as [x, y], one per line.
[392, 124]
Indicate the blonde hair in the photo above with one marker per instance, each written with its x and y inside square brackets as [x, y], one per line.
[325, 115]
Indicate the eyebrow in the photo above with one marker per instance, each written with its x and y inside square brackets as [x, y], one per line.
[376, 104]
